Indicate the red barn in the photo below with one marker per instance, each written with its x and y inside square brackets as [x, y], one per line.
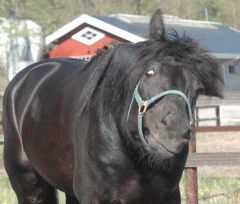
[84, 35]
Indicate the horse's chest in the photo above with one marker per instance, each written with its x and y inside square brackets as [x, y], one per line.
[128, 192]
[141, 190]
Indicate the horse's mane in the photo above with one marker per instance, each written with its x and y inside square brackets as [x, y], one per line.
[113, 78]
[115, 72]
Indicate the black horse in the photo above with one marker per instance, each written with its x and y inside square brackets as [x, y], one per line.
[114, 130]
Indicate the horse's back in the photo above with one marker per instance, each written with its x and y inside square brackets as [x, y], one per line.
[38, 115]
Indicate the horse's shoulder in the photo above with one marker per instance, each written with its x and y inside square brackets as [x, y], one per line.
[40, 72]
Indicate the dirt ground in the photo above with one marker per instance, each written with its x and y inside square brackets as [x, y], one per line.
[208, 142]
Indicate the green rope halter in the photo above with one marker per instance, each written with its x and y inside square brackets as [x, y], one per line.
[144, 104]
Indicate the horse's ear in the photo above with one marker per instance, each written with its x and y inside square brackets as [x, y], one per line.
[156, 28]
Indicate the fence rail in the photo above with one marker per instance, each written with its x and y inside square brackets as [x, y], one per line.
[217, 113]
[217, 128]
[213, 159]
[206, 160]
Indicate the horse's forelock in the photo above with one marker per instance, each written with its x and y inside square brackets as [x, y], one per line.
[185, 53]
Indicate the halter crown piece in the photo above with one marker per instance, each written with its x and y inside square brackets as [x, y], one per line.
[144, 104]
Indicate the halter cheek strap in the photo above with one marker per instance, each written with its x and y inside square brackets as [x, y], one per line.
[144, 104]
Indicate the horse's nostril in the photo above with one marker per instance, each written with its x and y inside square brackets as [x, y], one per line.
[165, 120]
[187, 135]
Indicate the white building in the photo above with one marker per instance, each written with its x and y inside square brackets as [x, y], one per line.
[20, 44]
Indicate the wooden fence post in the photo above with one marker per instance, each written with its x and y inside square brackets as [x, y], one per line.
[191, 188]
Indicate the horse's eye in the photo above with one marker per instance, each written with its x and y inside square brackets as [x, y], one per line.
[150, 72]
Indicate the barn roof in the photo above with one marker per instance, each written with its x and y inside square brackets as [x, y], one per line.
[221, 41]
[95, 22]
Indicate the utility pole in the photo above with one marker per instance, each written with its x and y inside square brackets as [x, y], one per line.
[206, 13]
[138, 7]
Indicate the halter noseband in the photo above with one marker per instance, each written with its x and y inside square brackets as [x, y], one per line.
[144, 104]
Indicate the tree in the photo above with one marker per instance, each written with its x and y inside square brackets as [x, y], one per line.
[53, 14]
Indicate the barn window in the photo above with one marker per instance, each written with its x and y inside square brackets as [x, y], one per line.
[234, 69]
[88, 36]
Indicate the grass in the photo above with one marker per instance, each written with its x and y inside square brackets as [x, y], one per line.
[227, 189]
[219, 190]
[8, 196]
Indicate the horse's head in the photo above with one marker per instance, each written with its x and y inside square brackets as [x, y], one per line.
[147, 91]
[163, 102]
[176, 72]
